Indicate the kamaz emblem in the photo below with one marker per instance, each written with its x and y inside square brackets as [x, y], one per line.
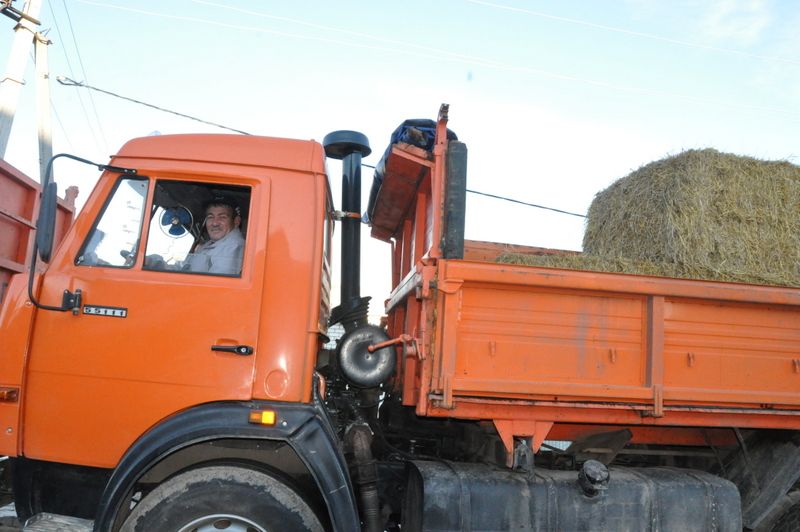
[114, 312]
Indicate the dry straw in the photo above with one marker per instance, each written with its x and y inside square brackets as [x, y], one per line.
[700, 214]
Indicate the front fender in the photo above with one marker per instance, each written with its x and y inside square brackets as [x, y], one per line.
[304, 427]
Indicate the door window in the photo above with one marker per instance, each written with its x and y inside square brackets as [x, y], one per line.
[116, 233]
[197, 228]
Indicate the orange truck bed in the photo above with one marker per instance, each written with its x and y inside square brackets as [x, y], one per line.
[538, 349]
[19, 200]
[665, 350]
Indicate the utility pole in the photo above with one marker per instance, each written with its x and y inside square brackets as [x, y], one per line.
[11, 84]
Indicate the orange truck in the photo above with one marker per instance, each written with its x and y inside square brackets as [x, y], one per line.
[141, 392]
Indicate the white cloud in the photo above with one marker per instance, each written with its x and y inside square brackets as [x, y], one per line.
[737, 21]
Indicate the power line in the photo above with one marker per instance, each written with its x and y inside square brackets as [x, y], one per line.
[335, 29]
[633, 33]
[72, 83]
[446, 55]
[85, 77]
[71, 73]
[525, 203]
[455, 56]
[69, 82]
[61, 124]
[451, 55]
[61, 38]
[512, 200]
[507, 8]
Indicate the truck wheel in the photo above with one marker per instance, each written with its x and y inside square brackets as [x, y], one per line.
[789, 521]
[216, 498]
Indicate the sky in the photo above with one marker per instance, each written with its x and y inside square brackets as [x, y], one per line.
[554, 99]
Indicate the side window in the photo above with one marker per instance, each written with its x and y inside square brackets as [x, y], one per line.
[197, 228]
[116, 234]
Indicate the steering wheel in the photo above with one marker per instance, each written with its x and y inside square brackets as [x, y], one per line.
[176, 221]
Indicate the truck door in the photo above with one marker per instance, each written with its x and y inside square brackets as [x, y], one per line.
[153, 337]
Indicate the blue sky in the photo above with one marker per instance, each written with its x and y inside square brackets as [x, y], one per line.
[555, 100]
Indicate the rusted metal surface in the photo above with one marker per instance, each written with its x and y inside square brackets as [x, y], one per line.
[476, 250]
[406, 167]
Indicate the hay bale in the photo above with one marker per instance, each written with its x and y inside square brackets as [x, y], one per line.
[703, 211]
[586, 262]
[700, 214]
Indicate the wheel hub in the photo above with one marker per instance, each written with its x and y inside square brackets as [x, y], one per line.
[225, 522]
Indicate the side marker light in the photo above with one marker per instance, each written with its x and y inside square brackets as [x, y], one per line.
[263, 417]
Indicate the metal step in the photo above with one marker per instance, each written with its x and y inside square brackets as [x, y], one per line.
[45, 522]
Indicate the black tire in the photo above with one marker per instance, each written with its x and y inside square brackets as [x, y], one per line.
[789, 521]
[222, 498]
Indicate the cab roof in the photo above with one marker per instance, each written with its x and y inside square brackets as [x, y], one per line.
[271, 152]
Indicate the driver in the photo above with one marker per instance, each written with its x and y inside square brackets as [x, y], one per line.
[222, 252]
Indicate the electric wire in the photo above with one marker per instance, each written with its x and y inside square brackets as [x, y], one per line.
[85, 77]
[335, 29]
[61, 37]
[72, 83]
[71, 73]
[633, 33]
[446, 55]
[495, 64]
[61, 125]
[452, 55]
[495, 196]
[526, 203]
[507, 8]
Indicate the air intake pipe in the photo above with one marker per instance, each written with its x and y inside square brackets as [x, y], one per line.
[350, 147]
[362, 367]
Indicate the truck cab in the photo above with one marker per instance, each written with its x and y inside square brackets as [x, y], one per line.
[147, 344]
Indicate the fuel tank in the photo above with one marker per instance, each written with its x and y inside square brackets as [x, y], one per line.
[448, 497]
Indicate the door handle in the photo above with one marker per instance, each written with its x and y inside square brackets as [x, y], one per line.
[243, 350]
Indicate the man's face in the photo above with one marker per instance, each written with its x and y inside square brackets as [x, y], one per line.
[220, 221]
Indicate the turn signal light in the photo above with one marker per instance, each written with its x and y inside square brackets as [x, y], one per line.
[263, 417]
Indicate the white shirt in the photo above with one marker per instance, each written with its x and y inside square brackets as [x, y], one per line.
[223, 256]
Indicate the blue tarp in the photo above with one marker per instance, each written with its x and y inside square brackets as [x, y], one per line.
[419, 132]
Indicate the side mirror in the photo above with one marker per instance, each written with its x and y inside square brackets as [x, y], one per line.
[46, 223]
[46, 228]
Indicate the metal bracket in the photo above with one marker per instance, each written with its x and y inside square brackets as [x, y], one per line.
[15, 80]
[343, 215]
[72, 301]
[409, 345]
[450, 286]
[15, 14]
[658, 401]
[524, 456]
[508, 429]
[9, 395]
